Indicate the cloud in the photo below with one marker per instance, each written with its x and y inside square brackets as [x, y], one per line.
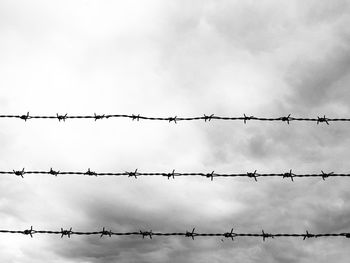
[187, 58]
[314, 81]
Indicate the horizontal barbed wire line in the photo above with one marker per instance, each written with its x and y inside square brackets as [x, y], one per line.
[134, 174]
[244, 118]
[191, 234]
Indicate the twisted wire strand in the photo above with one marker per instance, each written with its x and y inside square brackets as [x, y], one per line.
[191, 234]
[172, 175]
[175, 119]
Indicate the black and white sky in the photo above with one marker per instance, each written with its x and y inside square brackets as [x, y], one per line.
[166, 58]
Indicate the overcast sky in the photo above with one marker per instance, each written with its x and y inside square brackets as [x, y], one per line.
[167, 58]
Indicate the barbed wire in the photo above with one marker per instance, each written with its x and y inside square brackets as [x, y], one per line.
[191, 234]
[287, 119]
[211, 175]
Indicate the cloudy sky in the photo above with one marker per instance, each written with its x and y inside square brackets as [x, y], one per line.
[167, 58]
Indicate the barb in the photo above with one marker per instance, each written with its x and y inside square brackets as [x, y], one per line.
[246, 118]
[210, 175]
[19, 173]
[172, 174]
[191, 234]
[308, 235]
[53, 172]
[290, 175]
[90, 173]
[255, 175]
[208, 118]
[266, 235]
[25, 117]
[325, 175]
[66, 232]
[132, 174]
[99, 117]
[286, 119]
[60, 117]
[175, 119]
[69, 232]
[134, 117]
[322, 119]
[29, 232]
[230, 234]
[146, 233]
[106, 233]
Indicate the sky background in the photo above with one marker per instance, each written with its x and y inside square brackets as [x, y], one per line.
[167, 58]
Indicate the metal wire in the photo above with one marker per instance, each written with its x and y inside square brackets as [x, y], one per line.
[287, 119]
[135, 174]
[191, 234]
[211, 175]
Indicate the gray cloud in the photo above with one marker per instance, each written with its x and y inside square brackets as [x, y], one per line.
[191, 58]
[314, 81]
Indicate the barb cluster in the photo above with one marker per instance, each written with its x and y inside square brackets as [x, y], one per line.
[135, 174]
[175, 119]
[190, 234]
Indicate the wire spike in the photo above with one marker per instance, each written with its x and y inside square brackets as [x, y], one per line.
[230, 234]
[106, 233]
[172, 174]
[322, 119]
[132, 174]
[90, 173]
[208, 118]
[62, 117]
[19, 173]
[252, 175]
[66, 232]
[30, 231]
[247, 118]
[210, 175]
[308, 235]
[190, 234]
[325, 175]
[25, 117]
[286, 119]
[289, 174]
[266, 235]
[135, 117]
[146, 233]
[174, 119]
[98, 117]
[53, 172]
